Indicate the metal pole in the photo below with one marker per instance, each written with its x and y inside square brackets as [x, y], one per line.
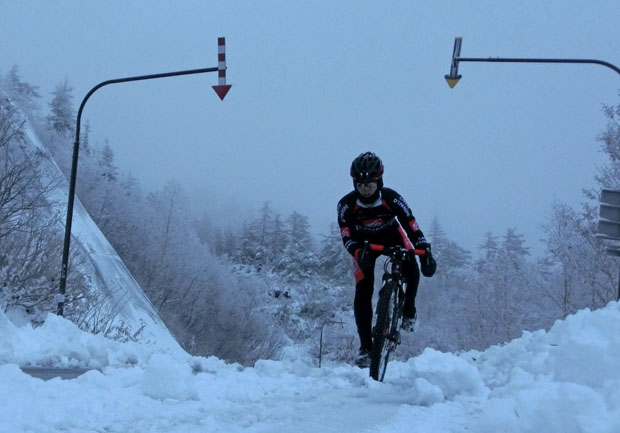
[321, 345]
[453, 78]
[60, 298]
[321, 339]
[517, 60]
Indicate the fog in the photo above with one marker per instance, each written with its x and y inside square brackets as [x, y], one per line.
[317, 83]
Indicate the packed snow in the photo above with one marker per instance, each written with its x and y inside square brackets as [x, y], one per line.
[564, 380]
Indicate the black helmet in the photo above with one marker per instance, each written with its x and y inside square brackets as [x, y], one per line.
[366, 167]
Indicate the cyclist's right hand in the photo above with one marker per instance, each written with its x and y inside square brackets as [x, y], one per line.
[363, 257]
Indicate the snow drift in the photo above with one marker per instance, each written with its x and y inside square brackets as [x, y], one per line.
[564, 380]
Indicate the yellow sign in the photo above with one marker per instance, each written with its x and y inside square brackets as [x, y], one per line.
[452, 80]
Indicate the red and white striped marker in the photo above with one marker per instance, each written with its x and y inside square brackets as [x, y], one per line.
[222, 88]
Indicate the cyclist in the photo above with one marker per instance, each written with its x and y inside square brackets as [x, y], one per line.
[379, 215]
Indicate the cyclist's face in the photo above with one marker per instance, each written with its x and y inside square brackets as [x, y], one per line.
[366, 189]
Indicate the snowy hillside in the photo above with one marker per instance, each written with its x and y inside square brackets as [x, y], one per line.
[106, 272]
[564, 380]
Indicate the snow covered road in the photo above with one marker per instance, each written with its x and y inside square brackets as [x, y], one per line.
[167, 396]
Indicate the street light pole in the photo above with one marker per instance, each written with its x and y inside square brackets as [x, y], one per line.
[609, 225]
[452, 78]
[221, 89]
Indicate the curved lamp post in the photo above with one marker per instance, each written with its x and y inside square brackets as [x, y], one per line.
[221, 89]
[609, 223]
[453, 77]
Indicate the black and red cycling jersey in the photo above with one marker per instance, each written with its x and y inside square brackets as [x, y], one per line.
[387, 221]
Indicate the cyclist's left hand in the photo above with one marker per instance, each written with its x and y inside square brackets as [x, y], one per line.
[428, 265]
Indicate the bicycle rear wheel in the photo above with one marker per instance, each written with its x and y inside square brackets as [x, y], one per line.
[380, 353]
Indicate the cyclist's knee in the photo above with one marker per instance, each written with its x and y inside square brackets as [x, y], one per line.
[364, 290]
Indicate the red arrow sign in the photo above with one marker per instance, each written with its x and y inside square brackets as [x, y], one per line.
[222, 90]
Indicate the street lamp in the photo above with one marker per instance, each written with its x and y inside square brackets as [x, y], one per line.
[221, 89]
[453, 77]
[609, 223]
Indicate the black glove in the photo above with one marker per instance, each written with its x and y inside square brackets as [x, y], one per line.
[364, 259]
[428, 265]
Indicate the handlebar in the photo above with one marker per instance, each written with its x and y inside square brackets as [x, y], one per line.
[391, 250]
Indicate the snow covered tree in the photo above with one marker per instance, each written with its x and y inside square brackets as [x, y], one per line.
[248, 248]
[489, 247]
[587, 276]
[24, 95]
[451, 257]
[278, 240]
[262, 240]
[601, 270]
[20, 190]
[504, 299]
[229, 245]
[298, 259]
[514, 244]
[107, 168]
[263, 227]
[209, 309]
[100, 190]
[566, 248]
[437, 236]
[610, 138]
[30, 244]
[62, 116]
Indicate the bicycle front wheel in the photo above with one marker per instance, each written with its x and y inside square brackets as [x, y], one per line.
[380, 352]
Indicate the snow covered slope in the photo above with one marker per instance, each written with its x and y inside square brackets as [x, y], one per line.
[105, 269]
[565, 380]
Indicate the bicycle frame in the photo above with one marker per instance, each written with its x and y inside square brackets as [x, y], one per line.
[386, 332]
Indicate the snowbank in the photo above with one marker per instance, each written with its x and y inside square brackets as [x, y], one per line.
[563, 380]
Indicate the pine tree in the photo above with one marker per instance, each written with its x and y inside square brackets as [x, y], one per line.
[218, 243]
[437, 236]
[514, 243]
[488, 248]
[299, 259]
[107, 168]
[229, 247]
[278, 241]
[21, 93]
[61, 117]
[565, 250]
[451, 257]
[454, 260]
[247, 246]
[263, 227]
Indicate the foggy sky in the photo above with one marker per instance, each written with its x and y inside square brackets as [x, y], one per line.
[316, 83]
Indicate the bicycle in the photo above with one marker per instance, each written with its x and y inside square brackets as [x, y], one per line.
[386, 332]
